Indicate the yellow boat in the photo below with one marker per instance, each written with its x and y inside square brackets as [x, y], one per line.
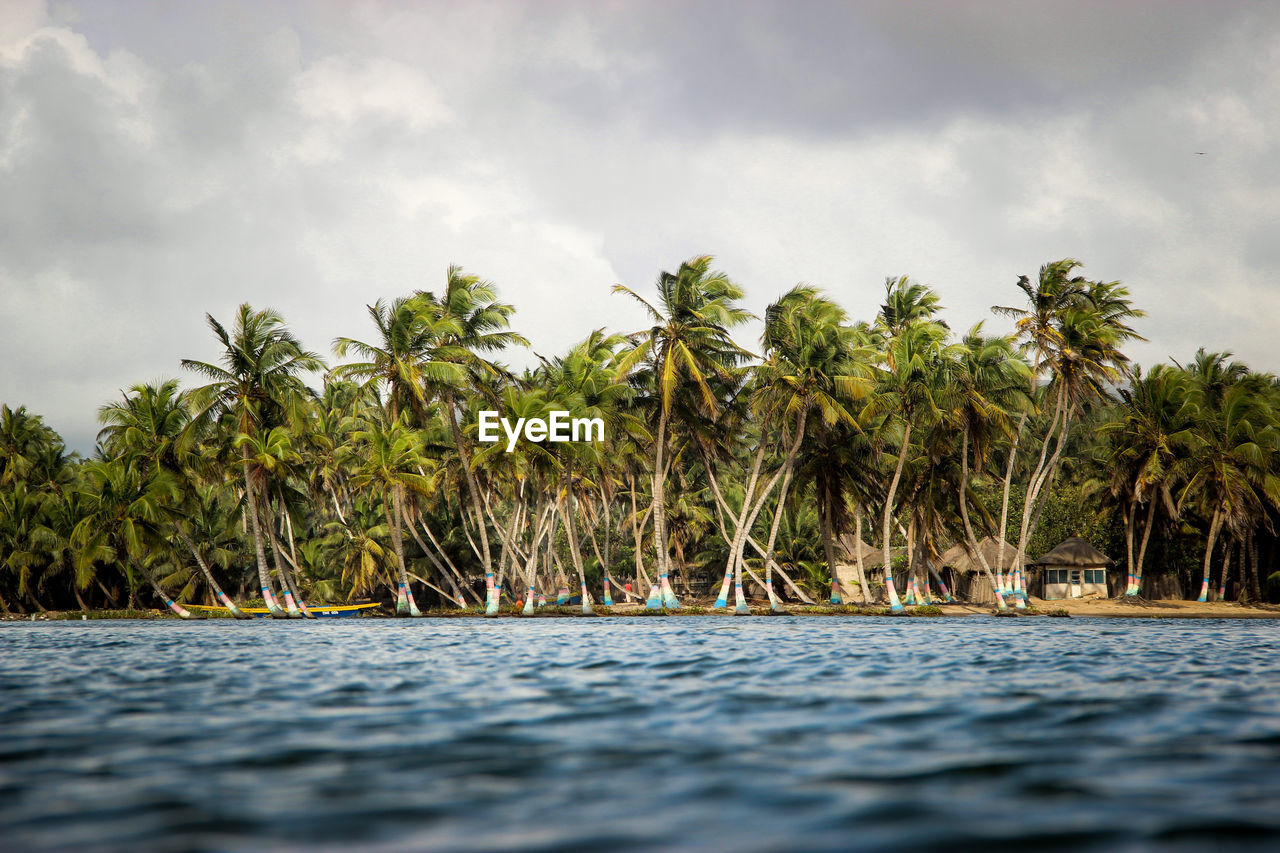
[323, 611]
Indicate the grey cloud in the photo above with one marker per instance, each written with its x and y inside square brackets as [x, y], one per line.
[560, 148]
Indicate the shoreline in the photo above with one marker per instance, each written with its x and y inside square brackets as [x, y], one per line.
[1109, 608]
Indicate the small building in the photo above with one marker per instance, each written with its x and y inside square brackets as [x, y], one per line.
[966, 576]
[847, 550]
[1074, 569]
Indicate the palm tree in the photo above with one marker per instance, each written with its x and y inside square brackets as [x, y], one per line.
[1228, 472]
[256, 387]
[1074, 329]
[389, 457]
[1149, 430]
[123, 520]
[470, 322]
[992, 382]
[687, 347]
[914, 375]
[150, 426]
[810, 366]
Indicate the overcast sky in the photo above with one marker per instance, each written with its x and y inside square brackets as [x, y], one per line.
[162, 160]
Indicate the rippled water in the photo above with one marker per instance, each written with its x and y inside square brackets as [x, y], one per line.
[587, 734]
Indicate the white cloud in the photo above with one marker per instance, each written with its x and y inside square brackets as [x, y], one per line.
[352, 153]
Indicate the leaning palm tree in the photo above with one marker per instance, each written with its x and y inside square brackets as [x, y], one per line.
[685, 350]
[469, 323]
[992, 382]
[1073, 328]
[256, 386]
[811, 366]
[909, 383]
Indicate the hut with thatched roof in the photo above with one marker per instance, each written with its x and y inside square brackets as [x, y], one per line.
[965, 569]
[1074, 569]
[847, 550]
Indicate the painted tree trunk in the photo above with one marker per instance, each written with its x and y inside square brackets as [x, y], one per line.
[968, 527]
[894, 604]
[208, 576]
[1208, 554]
[566, 517]
[668, 597]
[181, 611]
[1129, 517]
[1142, 548]
[1004, 504]
[282, 572]
[259, 550]
[473, 487]
[295, 573]
[857, 558]
[405, 605]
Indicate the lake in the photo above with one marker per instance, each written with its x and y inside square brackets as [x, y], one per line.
[784, 733]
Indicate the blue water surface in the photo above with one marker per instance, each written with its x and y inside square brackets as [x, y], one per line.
[723, 733]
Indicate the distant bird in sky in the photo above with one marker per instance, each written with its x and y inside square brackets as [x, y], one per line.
[1199, 152]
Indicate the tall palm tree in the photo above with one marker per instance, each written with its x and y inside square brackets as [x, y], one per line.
[811, 365]
[1073, 328]
[992, 383]
[915, 374]
[685, 350]
[256, 386]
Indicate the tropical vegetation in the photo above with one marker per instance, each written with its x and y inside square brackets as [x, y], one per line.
[727, 465]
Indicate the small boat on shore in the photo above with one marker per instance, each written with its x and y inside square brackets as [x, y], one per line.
[322, 611]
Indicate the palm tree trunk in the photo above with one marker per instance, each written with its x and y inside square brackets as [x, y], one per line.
[422, 520]
[1208, 554]
[637, 533]
[894, 604]
[208, 575]
[1251, 571]
[595, 546]
[828, 550]
[571, 534]
[396, 517]
[968, 528]
[667, 596]
[747, 521]
[1142, 549]
[740, 520]
[1226, 570]
[775, 604]
[1004, 502]
[251, 509]
[1043, 472]
[282, 573]
[857, 558]
[182, 612]
[1128, 542]
[473, 487]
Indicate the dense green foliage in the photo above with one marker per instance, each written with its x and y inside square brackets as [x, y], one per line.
[715, 462]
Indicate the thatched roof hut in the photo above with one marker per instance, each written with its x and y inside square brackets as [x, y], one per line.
[959, 558]
[1074, 569]
[1075, 553]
